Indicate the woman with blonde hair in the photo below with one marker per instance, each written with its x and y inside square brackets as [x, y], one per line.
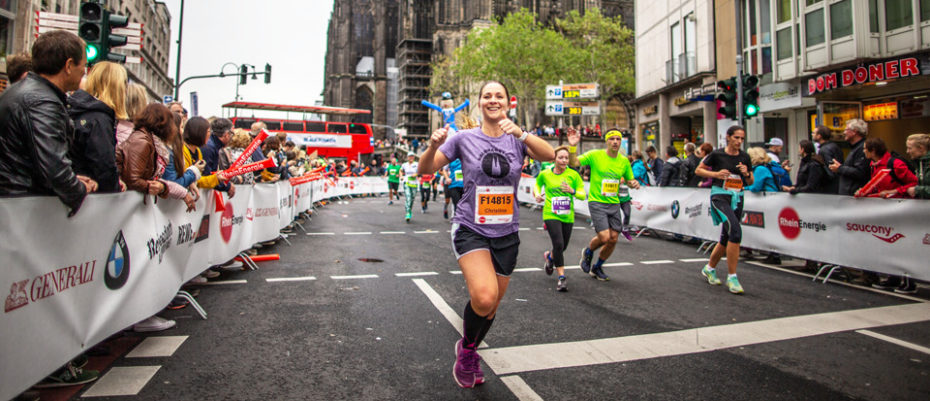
[94, 111]
[136, 100]
[237, 144]
[765, 180]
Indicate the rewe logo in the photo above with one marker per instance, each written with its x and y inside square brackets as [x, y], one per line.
[789, 223]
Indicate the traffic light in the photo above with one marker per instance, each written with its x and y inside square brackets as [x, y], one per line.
[95, 25]
[267, 73]
[243, 74]
[91, 28]
[727, 95]
[750, 96]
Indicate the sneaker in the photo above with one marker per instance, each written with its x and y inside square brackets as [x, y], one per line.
[210, 273]
[907, 286]
[585, 262]
[198, 280]
[467, 369]
[235, 265]
[733, 285]
[445, 213]
[626, 234]
[153, 323]
[178, 303]
[68, 376]
[408, 217]
[711, 275]
[598, 273]
[562, 286]
[547, 256]
[391, 202]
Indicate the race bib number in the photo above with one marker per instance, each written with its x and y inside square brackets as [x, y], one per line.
[459, 175]
[493, 204]
[561, 205]
[412, 181]
[610, 187]
[425, 185]
[624, 191]
[733, 183]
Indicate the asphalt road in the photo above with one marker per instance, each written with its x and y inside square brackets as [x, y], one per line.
[656, 331]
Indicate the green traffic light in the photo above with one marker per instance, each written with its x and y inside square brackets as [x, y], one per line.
[751, 110]
[92, 53]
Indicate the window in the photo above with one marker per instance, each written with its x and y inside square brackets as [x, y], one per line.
[812, 2]
[841, 19]
[316, 126]
[873, 16]
[898, 14]
[677, 73]
[336, 128]
[784, 11]
[924, 10]
[690, 44]
[293, 126]
[273, 125]
[784, 43]
[813, 23]
[357, 129]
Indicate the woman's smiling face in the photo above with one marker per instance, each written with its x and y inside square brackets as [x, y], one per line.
[493, 102]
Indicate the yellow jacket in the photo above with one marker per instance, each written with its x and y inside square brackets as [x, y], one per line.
[207, 181]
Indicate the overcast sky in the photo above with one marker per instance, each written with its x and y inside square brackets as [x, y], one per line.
[288, 34]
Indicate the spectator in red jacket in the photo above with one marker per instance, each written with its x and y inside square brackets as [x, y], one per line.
[899, 179]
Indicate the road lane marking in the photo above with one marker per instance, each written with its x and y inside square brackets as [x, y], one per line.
[895, 341]
[528, 269]
[520, 389]
[358, 276]
[224, 282]
[285, 279]
[455, 271]
[121, 381]
[692, 260]
[524, 229]
[321, 233]
[358, 233]
[656, 262]
[155, 347]
[517, 359]
[393, 232]
[579, 228]
[416, 274]
[426, 232]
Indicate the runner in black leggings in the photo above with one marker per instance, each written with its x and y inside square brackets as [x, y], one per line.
[557, 187]
[728, 167]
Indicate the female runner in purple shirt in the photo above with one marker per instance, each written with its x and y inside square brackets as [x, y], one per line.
[485, 236]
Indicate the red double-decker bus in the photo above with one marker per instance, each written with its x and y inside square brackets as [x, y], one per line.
[328, 139]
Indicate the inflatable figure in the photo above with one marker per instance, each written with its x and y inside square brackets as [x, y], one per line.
[445, 107]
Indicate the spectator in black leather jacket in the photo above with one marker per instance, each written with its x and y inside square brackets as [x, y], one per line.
[35, 130]
[856, 170]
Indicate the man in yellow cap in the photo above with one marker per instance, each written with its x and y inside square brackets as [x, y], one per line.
[611, 180]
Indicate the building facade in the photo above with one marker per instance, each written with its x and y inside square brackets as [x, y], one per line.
[18, 29]
[410, 34]
[675, 67]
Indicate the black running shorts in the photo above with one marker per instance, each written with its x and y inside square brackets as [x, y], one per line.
[503, 249]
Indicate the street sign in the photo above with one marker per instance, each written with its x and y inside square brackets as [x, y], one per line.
[167, 99]
[568, 108]
[573, 91]
[194, 102]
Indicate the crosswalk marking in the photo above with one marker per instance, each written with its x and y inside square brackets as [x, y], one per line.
[416, 274]
[122, 381]
[285, 279]
[703, 339]
[159, 346]
[894, 341]
[358, 276]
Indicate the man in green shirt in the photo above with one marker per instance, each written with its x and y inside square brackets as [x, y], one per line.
[609, 194]
[392, 172]
[557, 187]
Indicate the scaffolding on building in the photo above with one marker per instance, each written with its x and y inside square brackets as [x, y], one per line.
[413, 57]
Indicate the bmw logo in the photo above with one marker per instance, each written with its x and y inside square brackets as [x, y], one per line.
[675, 209]
[117, 271]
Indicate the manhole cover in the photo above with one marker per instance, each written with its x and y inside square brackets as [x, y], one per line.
[370, 260]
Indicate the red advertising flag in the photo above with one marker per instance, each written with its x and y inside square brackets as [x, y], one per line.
[218, 197]
[247, 153]
[248, 168]
[869, 187]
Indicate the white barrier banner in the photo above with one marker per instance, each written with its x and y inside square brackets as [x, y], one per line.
[74, 282]
[882, 235]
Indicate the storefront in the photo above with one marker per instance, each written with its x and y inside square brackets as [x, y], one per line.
[784, 114]
[648, 129]
[892, 95]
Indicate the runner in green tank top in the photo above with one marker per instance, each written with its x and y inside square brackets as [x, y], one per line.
[557, 187]
[609, 194]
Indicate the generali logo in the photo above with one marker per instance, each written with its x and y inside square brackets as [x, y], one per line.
[48, 284]
[884, 233]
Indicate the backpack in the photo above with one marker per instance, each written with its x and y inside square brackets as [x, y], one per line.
[686, 173]
[781, 175]
[907, 162]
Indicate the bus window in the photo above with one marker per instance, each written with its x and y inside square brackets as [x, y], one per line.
[273, 125]
[294, 126]
[245, 123]
[336, 128]
[316, 126]
[357, 129]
